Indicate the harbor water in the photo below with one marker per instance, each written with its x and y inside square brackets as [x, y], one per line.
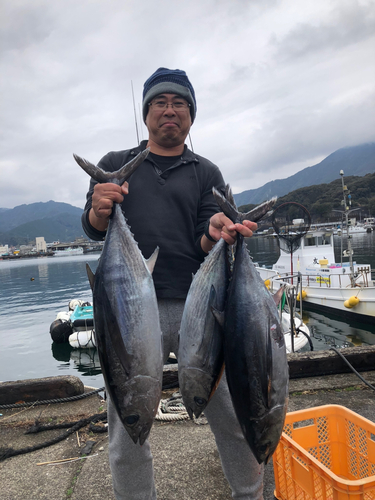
[33, 291]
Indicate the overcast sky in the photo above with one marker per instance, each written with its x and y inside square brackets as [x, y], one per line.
[280, 84]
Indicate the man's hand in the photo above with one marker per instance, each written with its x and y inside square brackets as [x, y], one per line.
[222, 227]
[103, 197]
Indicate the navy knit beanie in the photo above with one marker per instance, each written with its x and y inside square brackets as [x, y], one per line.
[168, 81]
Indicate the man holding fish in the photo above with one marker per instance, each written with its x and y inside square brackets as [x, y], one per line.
[168, 203]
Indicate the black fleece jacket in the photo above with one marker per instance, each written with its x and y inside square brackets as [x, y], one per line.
[166, 209]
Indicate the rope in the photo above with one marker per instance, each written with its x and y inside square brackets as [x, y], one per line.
[172, 409]
[352, 368]
[52, 401]
[308, 338]
[10, 452]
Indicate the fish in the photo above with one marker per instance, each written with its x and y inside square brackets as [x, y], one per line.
[200, 350]
[126, 316]
[200, 353]
[254, 351]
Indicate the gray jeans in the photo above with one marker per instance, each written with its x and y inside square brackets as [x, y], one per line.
[132, 465]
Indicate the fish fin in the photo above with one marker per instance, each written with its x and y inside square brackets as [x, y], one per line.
[277, 296]
[229, 196]
[217, 382]
[119, 176]
[225, 205]
[212, 302]
[94, 172]
[219, 316]
[91, 276]
[126, 171]
[151, 261]
[261, 211]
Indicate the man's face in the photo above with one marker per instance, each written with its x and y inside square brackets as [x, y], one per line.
[168, 127]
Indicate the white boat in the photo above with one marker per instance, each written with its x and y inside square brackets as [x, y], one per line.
[68, 251]
[75, 326]
[342, 288]
[301, 333]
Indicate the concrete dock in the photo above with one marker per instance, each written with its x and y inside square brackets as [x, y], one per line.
[186, 461]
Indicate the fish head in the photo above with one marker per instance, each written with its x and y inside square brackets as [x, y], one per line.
[137, 406]
[265, 433]
[196, 387]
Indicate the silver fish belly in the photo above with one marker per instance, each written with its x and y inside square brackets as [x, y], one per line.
[200, 352]
[127, 326]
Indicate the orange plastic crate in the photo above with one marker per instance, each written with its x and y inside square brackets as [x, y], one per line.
[325, 453]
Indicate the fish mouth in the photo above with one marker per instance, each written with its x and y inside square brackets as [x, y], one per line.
[190, 412]
[139, 435]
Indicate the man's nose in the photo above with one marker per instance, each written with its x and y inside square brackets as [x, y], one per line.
[169, 109]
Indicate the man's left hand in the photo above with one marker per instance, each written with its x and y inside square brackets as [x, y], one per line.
[222, 227]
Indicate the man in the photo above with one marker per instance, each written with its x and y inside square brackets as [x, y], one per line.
[170, 204]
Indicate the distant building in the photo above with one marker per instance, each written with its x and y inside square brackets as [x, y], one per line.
[25, 249]
[4, 249]
[41, 245]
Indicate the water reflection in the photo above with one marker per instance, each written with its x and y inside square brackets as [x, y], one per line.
[85, 361]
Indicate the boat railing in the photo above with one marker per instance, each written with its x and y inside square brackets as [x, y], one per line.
[330, 280]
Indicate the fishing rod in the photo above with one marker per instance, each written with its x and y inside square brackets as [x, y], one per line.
[135, 115]
[191, 144]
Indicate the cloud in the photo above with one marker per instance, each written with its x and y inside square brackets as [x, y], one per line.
[280, 85]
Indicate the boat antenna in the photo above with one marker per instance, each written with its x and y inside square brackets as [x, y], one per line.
[135, 115]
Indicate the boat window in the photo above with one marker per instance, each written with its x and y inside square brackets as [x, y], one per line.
[325, 239]
[310, 241]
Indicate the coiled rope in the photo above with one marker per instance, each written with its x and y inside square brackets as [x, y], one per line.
[172, 409]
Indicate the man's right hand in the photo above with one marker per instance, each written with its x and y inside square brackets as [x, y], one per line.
[103, 197]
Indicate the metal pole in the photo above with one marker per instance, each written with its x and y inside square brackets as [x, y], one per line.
[344, 189]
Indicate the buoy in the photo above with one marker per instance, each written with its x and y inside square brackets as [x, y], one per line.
[347, 304]
[268, 284]
[304, 295]
[353, 301]
[32, 279]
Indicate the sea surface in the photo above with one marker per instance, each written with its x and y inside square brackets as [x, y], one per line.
[33, 291]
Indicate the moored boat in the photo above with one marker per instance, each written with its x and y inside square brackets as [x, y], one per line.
[68, 251]
[344, 288]
[75, 326]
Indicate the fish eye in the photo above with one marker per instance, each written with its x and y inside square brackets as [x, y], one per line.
[131, 420]
[264, 448]
[200, 401]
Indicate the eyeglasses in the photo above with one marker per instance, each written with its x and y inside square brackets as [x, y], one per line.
[161, 104]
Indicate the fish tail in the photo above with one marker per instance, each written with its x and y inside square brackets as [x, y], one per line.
[234, 215]
[119, 176]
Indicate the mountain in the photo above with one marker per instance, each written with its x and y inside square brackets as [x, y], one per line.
[53, 220]
[11, 218]
[355, 160]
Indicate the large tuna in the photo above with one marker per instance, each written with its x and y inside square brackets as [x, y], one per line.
[255, 355]
[126, 317]
[200, 353]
